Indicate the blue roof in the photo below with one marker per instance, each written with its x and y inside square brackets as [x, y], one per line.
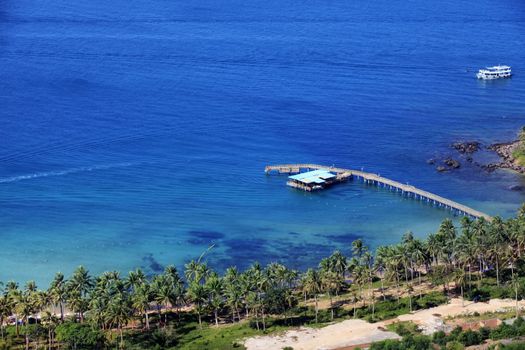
[316, 176]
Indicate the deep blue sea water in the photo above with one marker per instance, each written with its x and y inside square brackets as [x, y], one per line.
[135, 133]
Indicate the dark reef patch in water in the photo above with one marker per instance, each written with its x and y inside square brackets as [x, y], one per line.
[152, 264]
[204, 237]
[345, 239]
[244, 252]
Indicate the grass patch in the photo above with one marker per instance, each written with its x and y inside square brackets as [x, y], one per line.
[404, 328]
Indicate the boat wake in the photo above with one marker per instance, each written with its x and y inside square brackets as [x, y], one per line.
[62, 172]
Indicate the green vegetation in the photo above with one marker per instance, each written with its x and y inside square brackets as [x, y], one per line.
[205, 310]
[519, 152]
[457, 339]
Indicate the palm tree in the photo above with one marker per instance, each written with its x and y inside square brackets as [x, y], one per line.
[196, 271]
[25, 308]
[50, 322]
[459, 280]
[498, 239]
[135, 279]
[516, 285]
[13, 294]
[380, 265]
[119, 313]
[58, 292]
[164, 295]
[81, 281]
[79, 285]
[312, 286]
[330, 282]
[214, 287]
[197, 294]
[358, 248]
[6, 309]
[141, 299]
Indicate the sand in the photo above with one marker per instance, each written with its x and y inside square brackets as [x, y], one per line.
[355, 332]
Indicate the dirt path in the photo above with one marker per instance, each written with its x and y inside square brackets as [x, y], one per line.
[355, 332]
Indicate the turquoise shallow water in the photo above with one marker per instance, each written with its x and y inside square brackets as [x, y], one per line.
[136, 134]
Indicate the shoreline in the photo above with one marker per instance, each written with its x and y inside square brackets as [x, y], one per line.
[505, 151]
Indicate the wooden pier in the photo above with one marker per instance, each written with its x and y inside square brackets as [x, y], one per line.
[377, 180]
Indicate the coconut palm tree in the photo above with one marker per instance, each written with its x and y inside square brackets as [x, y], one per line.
[498, 240]
[50, 322]
[214, 287]
[81, 281]
[312, 285]
[141, 300]
[119, 314]
[330, 282]
[164, 295]
[198, 295]
[459, 280]
[135, 279]
[58, 291]
[6, 309]
[196, 271]
[12, 292]
[339, 263]
[358, 248]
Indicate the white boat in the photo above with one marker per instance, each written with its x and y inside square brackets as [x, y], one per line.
[495, 72]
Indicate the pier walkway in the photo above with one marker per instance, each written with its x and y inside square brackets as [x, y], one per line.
[378, 180]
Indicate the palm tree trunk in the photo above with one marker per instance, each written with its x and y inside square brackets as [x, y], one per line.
[61, 311]
[497, 272]
[147, 319]
[121, 336]
[516, 298]
[26, 324]
[331, 307]
[216, 318]
[316, 308]
[200, 320]
[263, 319]
[383, 287]
[160, 314]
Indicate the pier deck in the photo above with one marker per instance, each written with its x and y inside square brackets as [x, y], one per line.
[378, 180]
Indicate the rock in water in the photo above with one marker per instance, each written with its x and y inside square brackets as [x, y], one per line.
[516, 188]
[466, 147]
[452, 163]
[441, 169]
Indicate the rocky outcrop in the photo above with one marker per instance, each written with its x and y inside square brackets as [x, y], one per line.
[452, 163]
[467, 147]
[505, 151]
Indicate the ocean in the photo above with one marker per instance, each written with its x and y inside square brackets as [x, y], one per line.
[135, 133]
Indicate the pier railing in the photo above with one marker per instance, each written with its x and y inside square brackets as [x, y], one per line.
[378, 180]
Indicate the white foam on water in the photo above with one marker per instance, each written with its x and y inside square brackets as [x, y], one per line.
[62, 172]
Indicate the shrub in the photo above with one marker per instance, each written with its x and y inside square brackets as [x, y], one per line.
[79, 336]
[431, 300]
[440, 338]
[502, 332]
[454, 345]
[469, 338]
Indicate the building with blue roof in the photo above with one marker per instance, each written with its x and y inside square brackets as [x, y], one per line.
[312, 180]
